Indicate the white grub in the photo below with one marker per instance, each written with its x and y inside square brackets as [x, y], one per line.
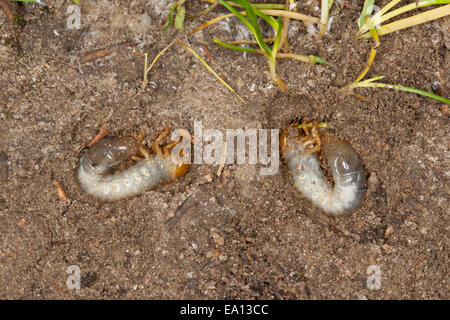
[345, 166]
[142, 176]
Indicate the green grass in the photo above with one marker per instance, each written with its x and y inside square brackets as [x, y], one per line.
[370, 83]
[179, 17]
[371, 26]
[367, 22]
[250, 20]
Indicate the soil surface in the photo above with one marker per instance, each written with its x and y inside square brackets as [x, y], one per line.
[238, 235]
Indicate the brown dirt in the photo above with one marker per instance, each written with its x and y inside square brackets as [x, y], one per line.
[240, 235]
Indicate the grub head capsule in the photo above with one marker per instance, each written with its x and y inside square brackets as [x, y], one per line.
[107, 153]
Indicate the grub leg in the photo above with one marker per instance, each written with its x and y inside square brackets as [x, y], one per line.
[158, 140]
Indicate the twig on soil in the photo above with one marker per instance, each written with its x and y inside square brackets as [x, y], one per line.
[60, 192]
[104, 52]
[99, 136]
[58, 288]
[96, 54]
[14, 20]
[208, 54]
[224, 157]
[4, 4]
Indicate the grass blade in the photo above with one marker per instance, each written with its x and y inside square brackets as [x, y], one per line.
[249, 24]
[291, 15]
[411, 6]
[237, 48]
[412, 21]
[276, 43]
[362, 83]
[323, 16]
[269, 12]
[147, 70]
[211, 70]
[250, 11]
[256, 5]
[179, 18]
[367, 84]
[369, 63]
[169, 22]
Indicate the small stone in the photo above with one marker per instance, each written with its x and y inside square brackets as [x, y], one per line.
[445, 110]
[22, 222]
[211, 285]
[372, 182]
[218, 239]
[388, 231]
[171, 213]
[240, 83]
[140, 23]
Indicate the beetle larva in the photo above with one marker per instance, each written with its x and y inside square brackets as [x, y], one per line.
[300, 152]
[142, 176]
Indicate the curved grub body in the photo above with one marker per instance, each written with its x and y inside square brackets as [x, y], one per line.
[345, 165]
[142, 176]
